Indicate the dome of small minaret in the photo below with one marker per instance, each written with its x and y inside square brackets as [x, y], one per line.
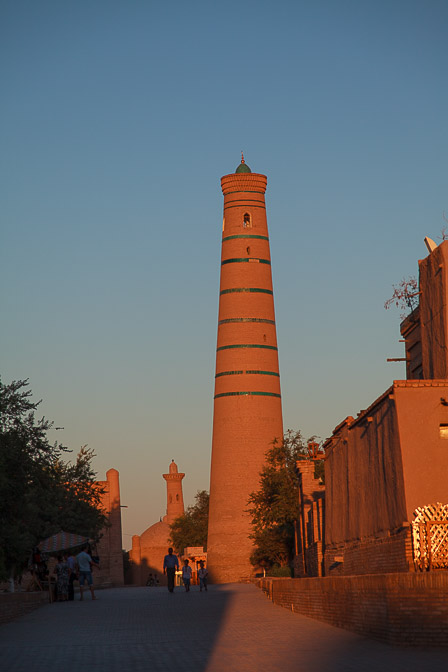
[243, 167]
[173, 467]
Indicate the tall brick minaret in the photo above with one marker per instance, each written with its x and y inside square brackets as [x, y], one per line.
[247, 406]
[174, 496]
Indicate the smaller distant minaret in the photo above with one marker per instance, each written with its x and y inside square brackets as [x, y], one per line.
[174, 496]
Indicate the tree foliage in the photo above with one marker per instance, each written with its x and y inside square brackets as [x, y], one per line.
[275, 507]
[40, 493]
[191, 528]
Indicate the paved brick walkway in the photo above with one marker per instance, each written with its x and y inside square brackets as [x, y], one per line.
[232, 628]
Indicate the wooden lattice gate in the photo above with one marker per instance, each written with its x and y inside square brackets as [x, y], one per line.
[430, 537]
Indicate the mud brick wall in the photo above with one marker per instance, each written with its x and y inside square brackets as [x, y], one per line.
[314, 557]
[13, 605]
[390, 552]
[404, 609]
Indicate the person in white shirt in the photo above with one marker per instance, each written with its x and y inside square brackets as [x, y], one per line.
[85, 564]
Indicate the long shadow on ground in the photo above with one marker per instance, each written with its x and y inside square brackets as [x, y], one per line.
[132, 628]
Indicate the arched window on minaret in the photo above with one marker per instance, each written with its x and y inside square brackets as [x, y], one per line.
[247, 222]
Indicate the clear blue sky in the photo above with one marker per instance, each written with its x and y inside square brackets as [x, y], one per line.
[118, 121]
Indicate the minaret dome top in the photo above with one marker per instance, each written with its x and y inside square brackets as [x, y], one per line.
[243, 167]
[173, 467]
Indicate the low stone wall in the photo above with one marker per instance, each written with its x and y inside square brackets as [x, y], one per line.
[405, 609]
[13, 605]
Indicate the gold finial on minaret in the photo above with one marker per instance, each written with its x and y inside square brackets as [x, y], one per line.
[242, 158]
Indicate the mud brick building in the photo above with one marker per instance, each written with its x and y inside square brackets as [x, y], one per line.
[369, 547]
[386, 470]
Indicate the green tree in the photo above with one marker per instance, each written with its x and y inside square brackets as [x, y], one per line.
[191, 528]
[40, 493]
[275, 507]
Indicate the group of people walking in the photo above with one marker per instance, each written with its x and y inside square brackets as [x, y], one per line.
[171, 563]
[71, 568]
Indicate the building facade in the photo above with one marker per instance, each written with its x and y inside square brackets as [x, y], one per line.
[386, 471]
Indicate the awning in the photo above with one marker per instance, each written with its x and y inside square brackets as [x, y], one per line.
[61, 542]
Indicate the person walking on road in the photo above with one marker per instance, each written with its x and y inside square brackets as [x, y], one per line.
[202, 574]
[186, 575]
[170, 564]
